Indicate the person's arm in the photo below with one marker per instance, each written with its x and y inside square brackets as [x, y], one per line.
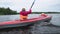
[29, 12]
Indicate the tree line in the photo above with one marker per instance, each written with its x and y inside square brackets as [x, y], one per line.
[7, 11]
[46, 12]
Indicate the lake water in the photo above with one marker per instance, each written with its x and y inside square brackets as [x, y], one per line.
[36, 29]
[55, 18]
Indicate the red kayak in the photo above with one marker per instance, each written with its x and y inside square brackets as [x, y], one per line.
[16, 23]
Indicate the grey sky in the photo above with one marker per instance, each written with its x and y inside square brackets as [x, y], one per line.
[40, 5]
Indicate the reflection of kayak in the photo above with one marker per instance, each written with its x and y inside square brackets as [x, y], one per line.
[17, 23]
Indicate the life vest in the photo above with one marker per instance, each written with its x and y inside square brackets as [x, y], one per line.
[23, 17]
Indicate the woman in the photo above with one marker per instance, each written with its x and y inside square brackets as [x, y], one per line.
[24, 14]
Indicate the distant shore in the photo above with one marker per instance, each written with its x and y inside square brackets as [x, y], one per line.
[45, 12]
[8, 11]
[35, 13]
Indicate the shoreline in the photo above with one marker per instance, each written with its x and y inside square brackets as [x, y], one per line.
[36, 13]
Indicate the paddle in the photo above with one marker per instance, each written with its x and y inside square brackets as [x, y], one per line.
[32, 4]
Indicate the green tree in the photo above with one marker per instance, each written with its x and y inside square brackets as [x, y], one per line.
[7, 11]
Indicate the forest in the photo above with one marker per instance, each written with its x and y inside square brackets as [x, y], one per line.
[7, 11]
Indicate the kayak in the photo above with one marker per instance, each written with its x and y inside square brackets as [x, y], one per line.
[20, 23]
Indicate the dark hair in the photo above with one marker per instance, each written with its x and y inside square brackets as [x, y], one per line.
[23, 9]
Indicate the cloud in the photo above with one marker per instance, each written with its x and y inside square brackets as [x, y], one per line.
[40, 5]
[54, 8]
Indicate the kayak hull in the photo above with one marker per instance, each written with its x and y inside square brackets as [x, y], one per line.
[18, 23]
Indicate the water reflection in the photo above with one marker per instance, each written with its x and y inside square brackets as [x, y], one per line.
[35, 29]
[16, 30]
[8, 17]
[14, 17]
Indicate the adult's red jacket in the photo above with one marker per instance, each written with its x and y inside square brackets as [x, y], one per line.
[25, 13]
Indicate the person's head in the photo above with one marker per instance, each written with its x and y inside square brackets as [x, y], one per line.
[43, 13]
[23, 9]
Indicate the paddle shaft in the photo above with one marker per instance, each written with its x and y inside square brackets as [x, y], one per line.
[32, 4]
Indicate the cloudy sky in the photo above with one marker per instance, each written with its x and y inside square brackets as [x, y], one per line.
[40, 5]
